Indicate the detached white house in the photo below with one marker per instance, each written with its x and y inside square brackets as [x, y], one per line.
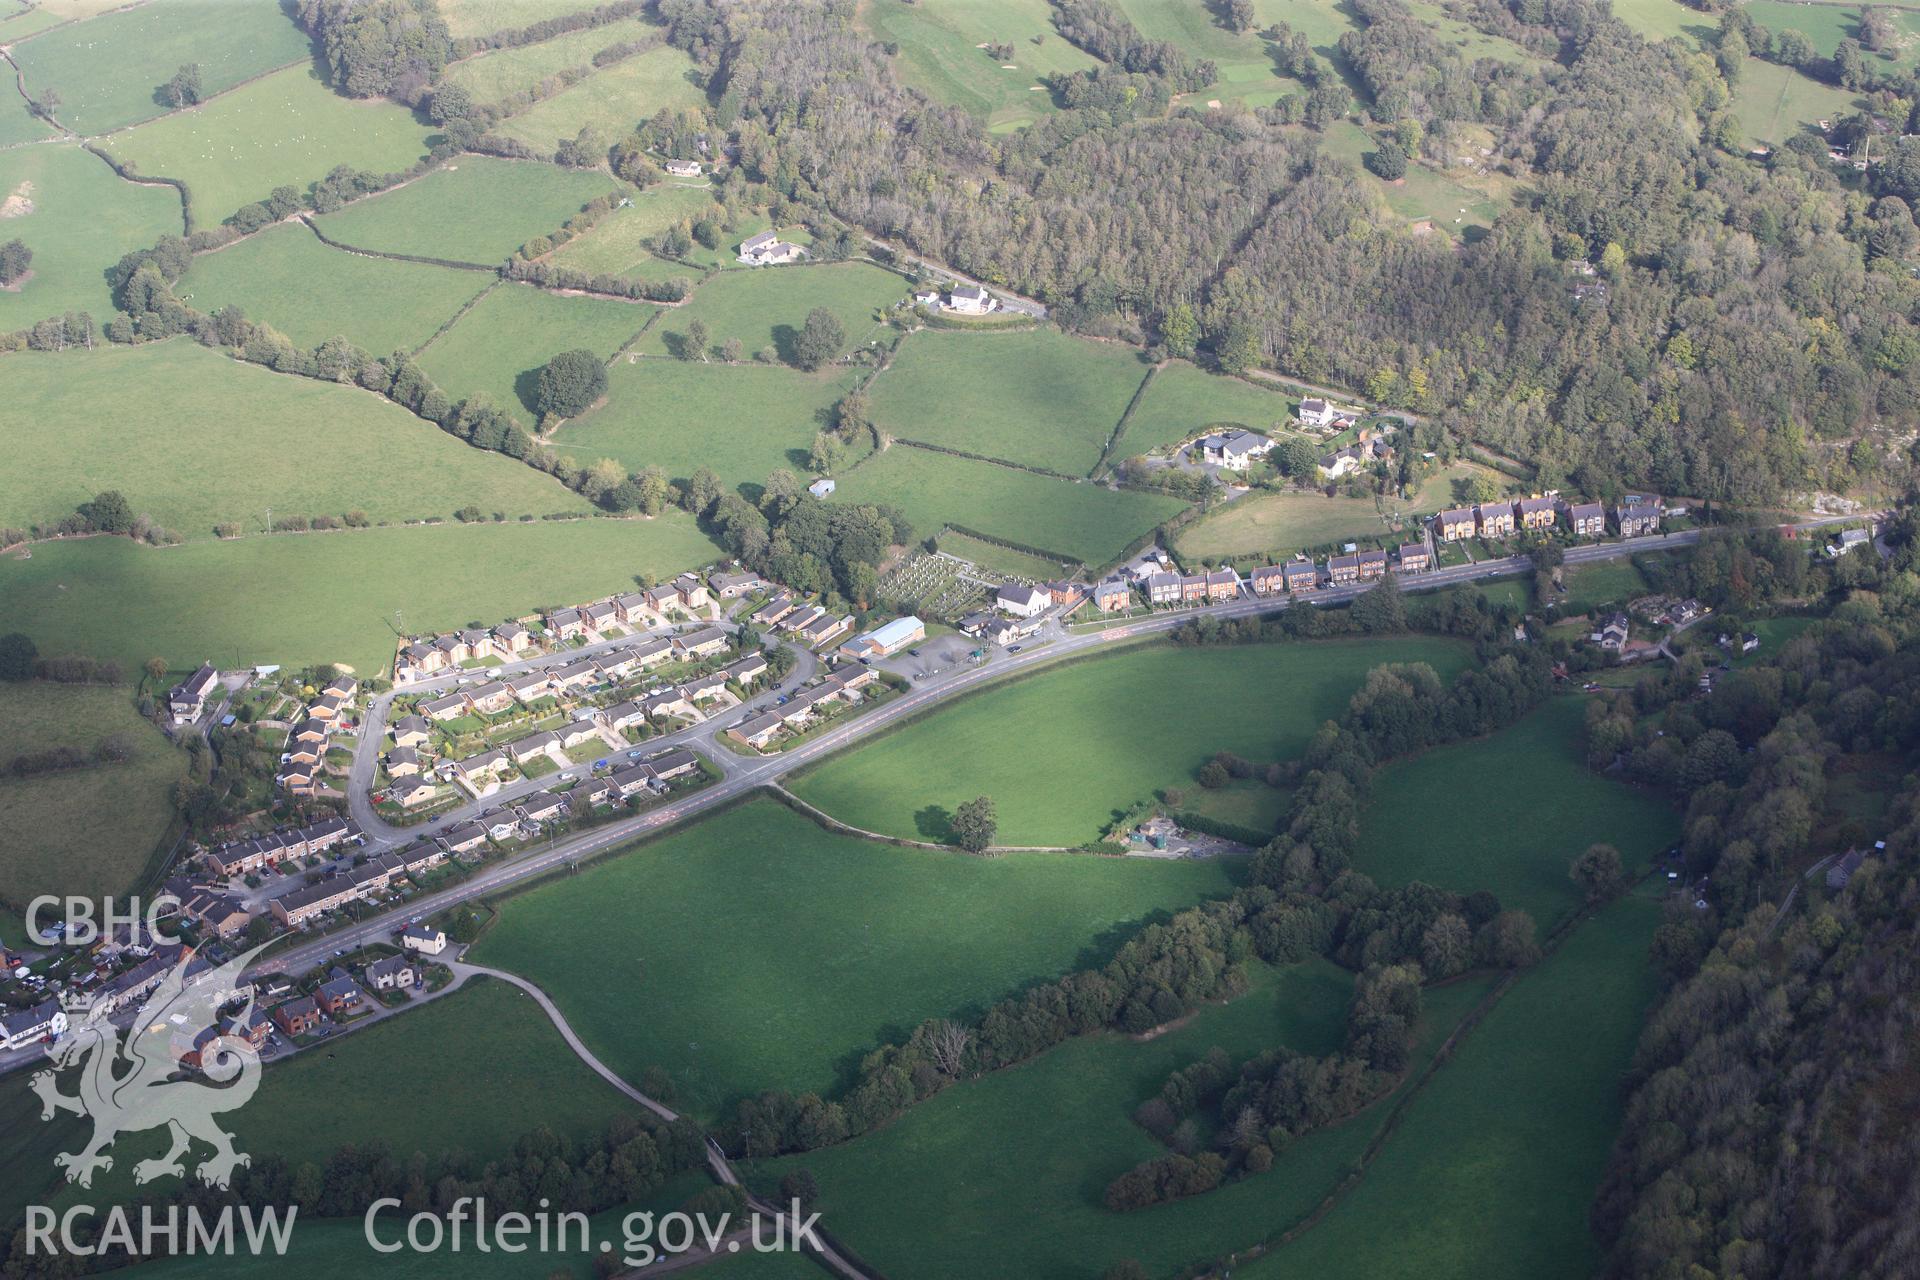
[1234, 450]
[684, 168]
[1022, 602]
[970, 300]
[1318, 413]
[768, 249]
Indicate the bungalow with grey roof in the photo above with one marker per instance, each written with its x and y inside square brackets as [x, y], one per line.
[403, 762]
[451, 707]
[702, 643]
[411, 731]
[542, 806]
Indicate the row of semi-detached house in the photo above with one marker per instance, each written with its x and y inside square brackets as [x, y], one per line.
[1634, 516]
[761, 730]
[263, 853]
[496, 696]
[377, 873]
[648, 608]
[423, 658]
[300, 762]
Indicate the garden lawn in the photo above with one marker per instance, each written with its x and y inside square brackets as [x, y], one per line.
[1492, 1171]
[1037, 397]
[765, 309]
[84, 218]
[741, 421]
[61, 838]
[478, 209]
[195, 439]
[288, 128]
[616, 244]
[1773, 103]
[490, 77]
[1005, 1175]
[940, 54]
[1774, 635]
[1508, 813]
[499, 347]
[1099, 734]
[1083, 522]
[109, 72]
[298, 599]
[484, 17]
[287, 278]
[1181, 402]
[1603, 582]
[758, 951]
[611, 101]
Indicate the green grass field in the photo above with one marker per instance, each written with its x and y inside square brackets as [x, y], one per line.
[615, 244]
[1081, 522]
[478, 209]
[765, 309]
[755, 951]
[285, 277]
[17, 124]
[1491, 1174]
[1247, 73]
[287, 128]
[1181, 401]
[109, 71]
[492, 76]
[1508, 813]
[940, 54]
[1276, 524]
[1004, 1175]
[484, 17]
[82, 219]
[62, 838]
[1826, 25]
[330, 597]
[1773, 103]
[1663, 19]
[195, 439]
[1424, 193]
[742, 422]
[499, 347]
[515, 1075]
[610, 101]
[1100, 734]
[1039, 397]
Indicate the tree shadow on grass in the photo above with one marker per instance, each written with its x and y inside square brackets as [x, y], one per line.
[786, 343]
[935, 822]
[526, 389]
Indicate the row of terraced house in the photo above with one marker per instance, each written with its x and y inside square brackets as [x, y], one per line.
[1634, 516]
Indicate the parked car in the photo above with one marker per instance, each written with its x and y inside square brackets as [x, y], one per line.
[1013, 648]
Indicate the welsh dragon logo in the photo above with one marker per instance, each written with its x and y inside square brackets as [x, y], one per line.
[150, 1095]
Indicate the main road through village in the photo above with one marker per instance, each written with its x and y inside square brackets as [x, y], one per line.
[741, 776]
